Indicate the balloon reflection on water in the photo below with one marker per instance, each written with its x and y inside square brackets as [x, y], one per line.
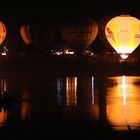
[3, 116]
[123, 102]
[71, 91]
[59, 88]
[77, 95]
[25, 105]
[68, 86]
[94, 106]
[4, 102]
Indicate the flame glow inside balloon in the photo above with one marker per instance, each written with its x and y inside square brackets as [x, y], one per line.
[2, 32]
[123, 33]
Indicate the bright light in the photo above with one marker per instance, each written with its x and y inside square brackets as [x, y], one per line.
[123, 33]
[123, 55]
[124, 49]
[123, 102]
[3, 53]
[124, 89]
[57, 53]
[69, 52]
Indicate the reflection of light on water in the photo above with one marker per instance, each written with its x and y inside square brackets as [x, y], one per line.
[122, 113]
[25, 110]
[92, 89]
[3, 112]
[3, 117]
[71, 91]
[124, 89]
[25, 105]
[94, 107]
[3, 86]
[59, 91]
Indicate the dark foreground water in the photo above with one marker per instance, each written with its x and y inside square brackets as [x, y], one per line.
[71, 107]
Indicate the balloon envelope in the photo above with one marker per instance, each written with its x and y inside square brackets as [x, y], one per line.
[123, 33]
[37, 34]
[79, 33]
[25, 34]
[2, 32]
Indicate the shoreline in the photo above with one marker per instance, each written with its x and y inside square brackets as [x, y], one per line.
[38, 65]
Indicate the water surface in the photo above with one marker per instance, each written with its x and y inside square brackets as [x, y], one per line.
[83, 106]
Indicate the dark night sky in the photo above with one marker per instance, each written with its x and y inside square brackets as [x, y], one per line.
[56, 8]
[13, 14]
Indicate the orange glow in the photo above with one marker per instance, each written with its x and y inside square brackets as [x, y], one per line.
[71, 91]
[2, 32]
[25, 106]
[3, 117]
[25, 110]
[123, 33]
[24, 31]
[94, 111]
[123, 103]
[124, 89]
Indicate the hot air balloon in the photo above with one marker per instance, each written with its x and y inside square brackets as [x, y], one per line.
[2, 32]
[101, 31]
[78, 34]
[123, 34]
[38, 35]
[25, 34]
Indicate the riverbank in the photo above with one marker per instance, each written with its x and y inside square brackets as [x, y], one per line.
[62, 65]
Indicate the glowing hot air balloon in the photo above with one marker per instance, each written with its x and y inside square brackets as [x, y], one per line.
[2, 32]
[123, 33]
